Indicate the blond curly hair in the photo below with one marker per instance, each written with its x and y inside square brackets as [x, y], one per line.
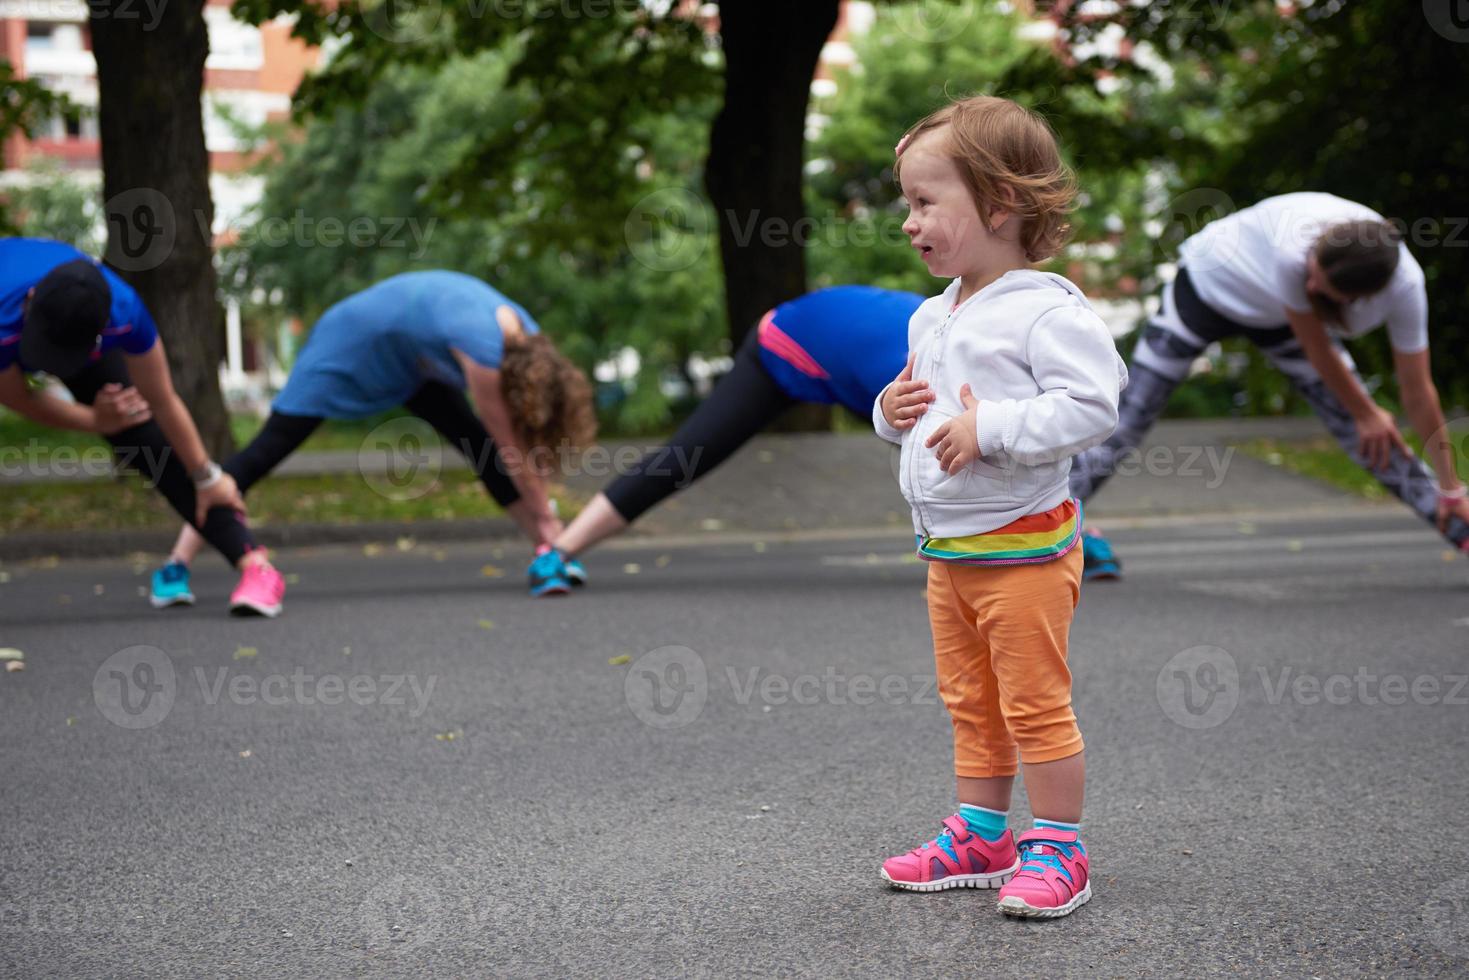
[1009, 159]
[549, 397]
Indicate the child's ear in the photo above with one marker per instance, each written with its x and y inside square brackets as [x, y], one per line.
[510, 326]
[1001, 213]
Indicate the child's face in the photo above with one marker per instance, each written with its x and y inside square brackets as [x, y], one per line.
[943, 222]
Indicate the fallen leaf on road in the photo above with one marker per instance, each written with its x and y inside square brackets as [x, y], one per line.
[759, 547]
[1245, 527]
[632, 568]
[406, 544]
[49, 561]
[492, 571]
[244, 652]
[245, 754]
[11, 653]
[98, 590]
[292, 579]
[486, 624]
[766, 456]
[663, 561]
[372, 550]
[711, 524]
[619, 660]
[446, 736]
[11, 666]
[71, 721]
[1450, 555]
[346, 651]
[440, 555]
[1295, 545]
[4, 577]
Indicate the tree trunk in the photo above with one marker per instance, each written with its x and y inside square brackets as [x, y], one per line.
[756, 152]
[155, 181]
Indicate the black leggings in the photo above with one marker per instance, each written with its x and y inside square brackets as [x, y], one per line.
[745, 400]
[145, 450]
[443, 407]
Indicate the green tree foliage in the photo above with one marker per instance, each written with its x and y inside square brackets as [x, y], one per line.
[383, 167]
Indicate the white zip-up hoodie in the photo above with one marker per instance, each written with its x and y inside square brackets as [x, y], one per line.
[1046, 374]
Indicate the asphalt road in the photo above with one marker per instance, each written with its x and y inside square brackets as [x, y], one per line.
[420, 771]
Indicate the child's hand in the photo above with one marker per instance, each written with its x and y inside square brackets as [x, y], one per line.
[905, 399]
[957, 439]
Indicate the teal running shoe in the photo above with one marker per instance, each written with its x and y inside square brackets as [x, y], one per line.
[171, 586]
[547, 574]
[1098, 561]
[576, 574]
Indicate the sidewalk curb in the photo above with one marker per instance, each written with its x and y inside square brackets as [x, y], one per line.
[112, 544]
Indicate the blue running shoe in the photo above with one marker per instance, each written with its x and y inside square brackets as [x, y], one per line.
[171, 586]
[1097, 559]
[547, 574]
[576, 574]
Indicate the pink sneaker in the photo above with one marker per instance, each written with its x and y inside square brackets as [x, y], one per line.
[1052, 880]
[957, 858]
[259, 593]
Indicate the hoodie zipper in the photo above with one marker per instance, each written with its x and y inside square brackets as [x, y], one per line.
[914, 481]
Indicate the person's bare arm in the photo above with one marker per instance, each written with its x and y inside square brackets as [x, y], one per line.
[1423, 408]
[489, 402]
[40, 407]
[149, 372]
[1376, 429]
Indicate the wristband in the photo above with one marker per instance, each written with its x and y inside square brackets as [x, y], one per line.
[1458, 493]
[207, 475]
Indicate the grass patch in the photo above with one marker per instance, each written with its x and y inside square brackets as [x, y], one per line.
[341, 498]
[1322, 459]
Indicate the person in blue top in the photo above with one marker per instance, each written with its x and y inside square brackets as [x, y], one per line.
[67, 315]
[418, 340]
[840, 345]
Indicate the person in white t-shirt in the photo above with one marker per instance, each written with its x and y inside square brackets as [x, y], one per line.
[1298, 274]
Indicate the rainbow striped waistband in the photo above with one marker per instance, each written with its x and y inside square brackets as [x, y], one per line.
[1033, 538]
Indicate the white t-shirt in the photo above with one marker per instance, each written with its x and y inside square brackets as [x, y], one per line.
[1251, 267]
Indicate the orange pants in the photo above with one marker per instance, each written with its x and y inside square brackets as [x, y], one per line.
[999, 638]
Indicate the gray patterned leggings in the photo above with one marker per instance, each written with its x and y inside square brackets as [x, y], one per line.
[1178, 334]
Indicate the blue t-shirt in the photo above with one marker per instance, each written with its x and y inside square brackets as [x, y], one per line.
[374, 349]
[26, 261]
[839, 345]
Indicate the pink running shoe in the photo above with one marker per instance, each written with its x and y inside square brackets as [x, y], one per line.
[957, 858]
[259, 593]
[1052, 880]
